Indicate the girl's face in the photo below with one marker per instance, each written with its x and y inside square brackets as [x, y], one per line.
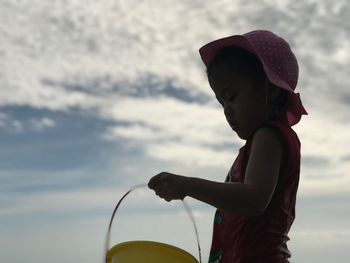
[244, 104]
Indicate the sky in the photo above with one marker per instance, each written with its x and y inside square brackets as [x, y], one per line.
[98, 96]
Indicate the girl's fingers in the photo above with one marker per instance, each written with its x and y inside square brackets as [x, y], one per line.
[162, 186]
[154, 181]
[151, 183]
[162, 189]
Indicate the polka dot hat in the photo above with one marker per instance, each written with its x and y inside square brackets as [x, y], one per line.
[279, 63]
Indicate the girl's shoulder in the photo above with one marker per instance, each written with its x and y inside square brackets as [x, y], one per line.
[284, 133]
[291, 145]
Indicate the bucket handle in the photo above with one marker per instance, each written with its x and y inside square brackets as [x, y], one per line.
[186, 206]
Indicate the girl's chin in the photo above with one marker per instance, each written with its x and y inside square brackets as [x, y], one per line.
[241, 134]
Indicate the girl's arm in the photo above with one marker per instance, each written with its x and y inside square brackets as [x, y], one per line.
[249, 198]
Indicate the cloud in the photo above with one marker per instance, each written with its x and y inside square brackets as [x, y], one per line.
[68, 58]
[149, 83]
[9, 124]
[158, 127]
[42, 124]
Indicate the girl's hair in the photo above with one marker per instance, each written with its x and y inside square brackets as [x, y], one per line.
[246, 64]
[238, 61]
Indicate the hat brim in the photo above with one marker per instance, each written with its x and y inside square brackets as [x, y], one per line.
[294, 107]
[209, 51]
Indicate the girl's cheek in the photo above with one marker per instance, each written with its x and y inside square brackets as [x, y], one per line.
[233, 107]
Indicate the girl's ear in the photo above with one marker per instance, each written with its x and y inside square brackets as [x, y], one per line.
[274, 92]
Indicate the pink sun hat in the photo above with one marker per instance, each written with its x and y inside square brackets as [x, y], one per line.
[278, 60]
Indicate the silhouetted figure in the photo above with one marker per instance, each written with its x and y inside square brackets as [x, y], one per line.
[253, 76]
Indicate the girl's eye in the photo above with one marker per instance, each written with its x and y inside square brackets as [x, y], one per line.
[232, 98]
[230, 95]
[229, 99]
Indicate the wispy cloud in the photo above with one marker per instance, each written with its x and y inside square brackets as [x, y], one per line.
[42, 124]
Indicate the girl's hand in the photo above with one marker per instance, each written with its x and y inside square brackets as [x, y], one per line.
[168, 186]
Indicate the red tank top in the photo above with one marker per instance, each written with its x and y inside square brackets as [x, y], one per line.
[241, 239]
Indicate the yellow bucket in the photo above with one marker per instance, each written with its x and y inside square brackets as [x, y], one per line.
[148, 251]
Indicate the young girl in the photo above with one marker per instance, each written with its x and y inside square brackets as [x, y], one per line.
[253, 76]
